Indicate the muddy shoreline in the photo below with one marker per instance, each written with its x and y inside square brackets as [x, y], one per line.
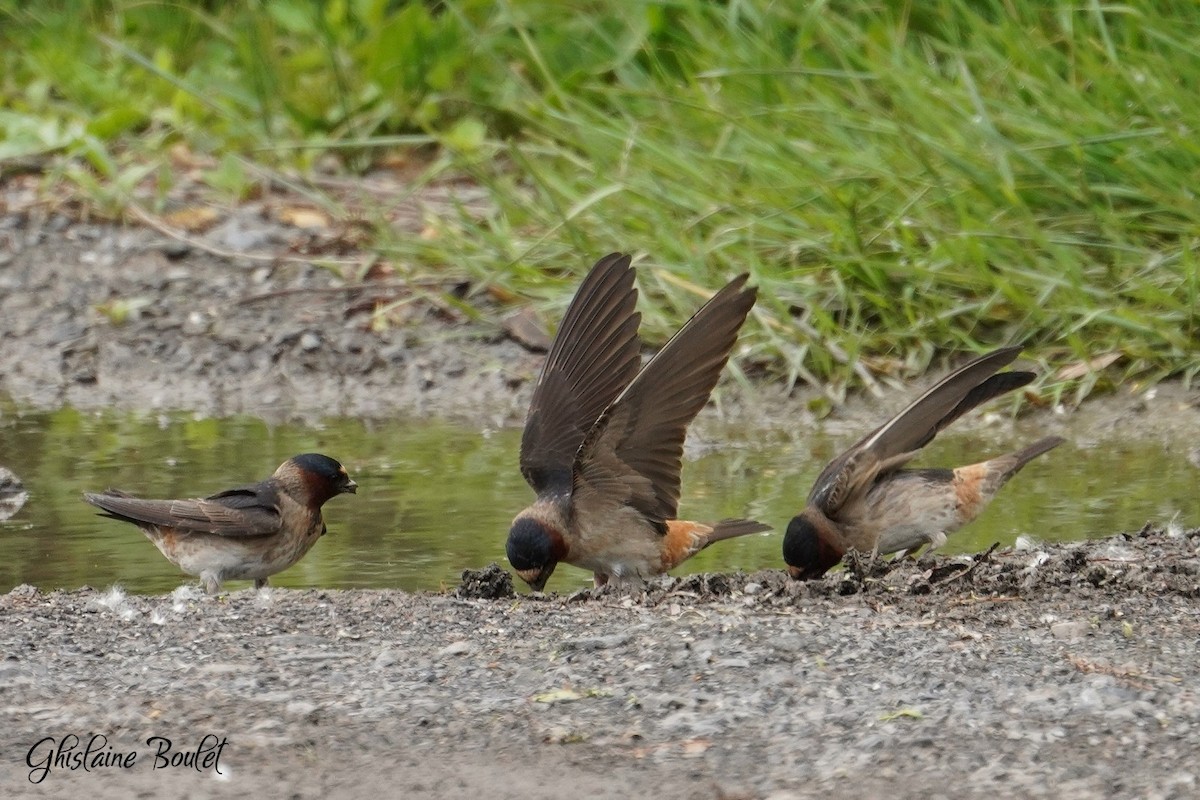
[1066, 671]
[102, 316]
[1058, 671]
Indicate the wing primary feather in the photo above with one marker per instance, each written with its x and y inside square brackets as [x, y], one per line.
[890, 445]
[217, 515]
[638, 443]
[595, 354]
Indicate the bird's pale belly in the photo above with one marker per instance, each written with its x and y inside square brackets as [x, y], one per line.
[622, 546]
[229, 558]
[908, 519]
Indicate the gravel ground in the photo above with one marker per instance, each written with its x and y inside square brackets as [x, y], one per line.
[264, 334]
[1048, 672]
[1043, 672]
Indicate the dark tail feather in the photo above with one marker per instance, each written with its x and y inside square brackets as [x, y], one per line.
[730, 528]
[1024, 456]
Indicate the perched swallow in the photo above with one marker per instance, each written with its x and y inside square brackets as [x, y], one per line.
[603, 441]
[864, 501]
[247, 532]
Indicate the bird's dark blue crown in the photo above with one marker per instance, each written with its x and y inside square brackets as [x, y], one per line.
[529, 545]
[321, 465]
[801, 545]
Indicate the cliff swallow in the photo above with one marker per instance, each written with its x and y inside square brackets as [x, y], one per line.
[603, 441]
[863, 500]
[242, 533]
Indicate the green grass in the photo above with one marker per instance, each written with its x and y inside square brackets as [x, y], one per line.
[902, 179]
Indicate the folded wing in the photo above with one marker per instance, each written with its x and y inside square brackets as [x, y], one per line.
[243, 512]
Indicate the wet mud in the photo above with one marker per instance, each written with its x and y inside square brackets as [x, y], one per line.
[1064, 671]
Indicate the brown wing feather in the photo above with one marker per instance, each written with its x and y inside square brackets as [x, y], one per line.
[595, 354]
[898, 440]
[252, 511]
[634, 453]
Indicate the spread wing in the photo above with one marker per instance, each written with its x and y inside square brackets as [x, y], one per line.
[633, 455]
[244, 511]
[595, 354]
[898, 440]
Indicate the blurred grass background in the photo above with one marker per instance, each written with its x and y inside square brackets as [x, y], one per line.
[901, 178]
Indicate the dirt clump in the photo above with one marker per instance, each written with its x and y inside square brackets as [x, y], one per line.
[490, 583]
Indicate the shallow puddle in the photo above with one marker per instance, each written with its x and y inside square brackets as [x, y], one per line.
[435, 499]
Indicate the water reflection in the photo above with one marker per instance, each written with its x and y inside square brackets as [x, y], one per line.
[435, 499]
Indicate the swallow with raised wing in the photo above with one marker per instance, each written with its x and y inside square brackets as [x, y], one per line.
[865, 501]
[603, 440]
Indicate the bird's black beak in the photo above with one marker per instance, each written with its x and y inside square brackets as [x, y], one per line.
[349, 487]
[536, 578]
